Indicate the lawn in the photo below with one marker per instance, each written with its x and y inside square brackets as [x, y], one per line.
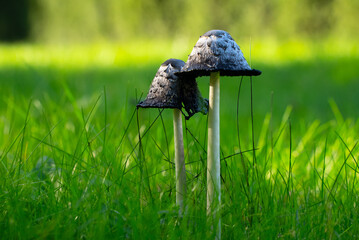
[72, 166]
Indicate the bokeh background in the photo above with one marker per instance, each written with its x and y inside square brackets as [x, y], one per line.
[307, 49]
[112, 20]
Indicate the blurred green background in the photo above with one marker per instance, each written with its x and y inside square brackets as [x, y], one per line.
[307, 49]
[113, 20]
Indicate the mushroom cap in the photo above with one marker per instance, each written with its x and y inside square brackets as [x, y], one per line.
[170, 91]
[217, 51]
[165, 89]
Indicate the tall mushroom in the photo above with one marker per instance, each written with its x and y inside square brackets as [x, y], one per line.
[215, 54]
[170, 91]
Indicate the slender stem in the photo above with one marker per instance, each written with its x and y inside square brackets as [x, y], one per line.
[179, 159]
[213, 158]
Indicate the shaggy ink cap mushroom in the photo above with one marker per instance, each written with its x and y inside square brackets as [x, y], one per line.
[170, 91]
[216, 51]
[215, 54]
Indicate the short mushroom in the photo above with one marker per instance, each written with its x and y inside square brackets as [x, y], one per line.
[215, 54]
[170, 91]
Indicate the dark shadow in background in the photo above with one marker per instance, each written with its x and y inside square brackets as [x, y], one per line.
[14, 20]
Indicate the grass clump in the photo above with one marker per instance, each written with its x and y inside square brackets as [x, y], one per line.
[74, 178]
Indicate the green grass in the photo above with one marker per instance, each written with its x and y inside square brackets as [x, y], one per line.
[71, 165]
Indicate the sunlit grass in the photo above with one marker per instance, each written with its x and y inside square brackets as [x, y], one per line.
[72, 173]
[139, 52]
[302, 50]
[99, 55]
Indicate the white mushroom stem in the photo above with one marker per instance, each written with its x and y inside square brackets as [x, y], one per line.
[213, 155]
[179, 159]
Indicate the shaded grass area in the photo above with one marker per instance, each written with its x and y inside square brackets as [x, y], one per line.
[71, 164]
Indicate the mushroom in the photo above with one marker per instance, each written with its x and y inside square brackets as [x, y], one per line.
[215, 54]
[170, 91]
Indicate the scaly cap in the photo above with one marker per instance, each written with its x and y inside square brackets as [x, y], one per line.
[165, 90]
[217, 51]
[170, 91]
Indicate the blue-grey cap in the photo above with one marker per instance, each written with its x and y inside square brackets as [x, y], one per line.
[216, 51]
[165, 90]
[170, 91]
